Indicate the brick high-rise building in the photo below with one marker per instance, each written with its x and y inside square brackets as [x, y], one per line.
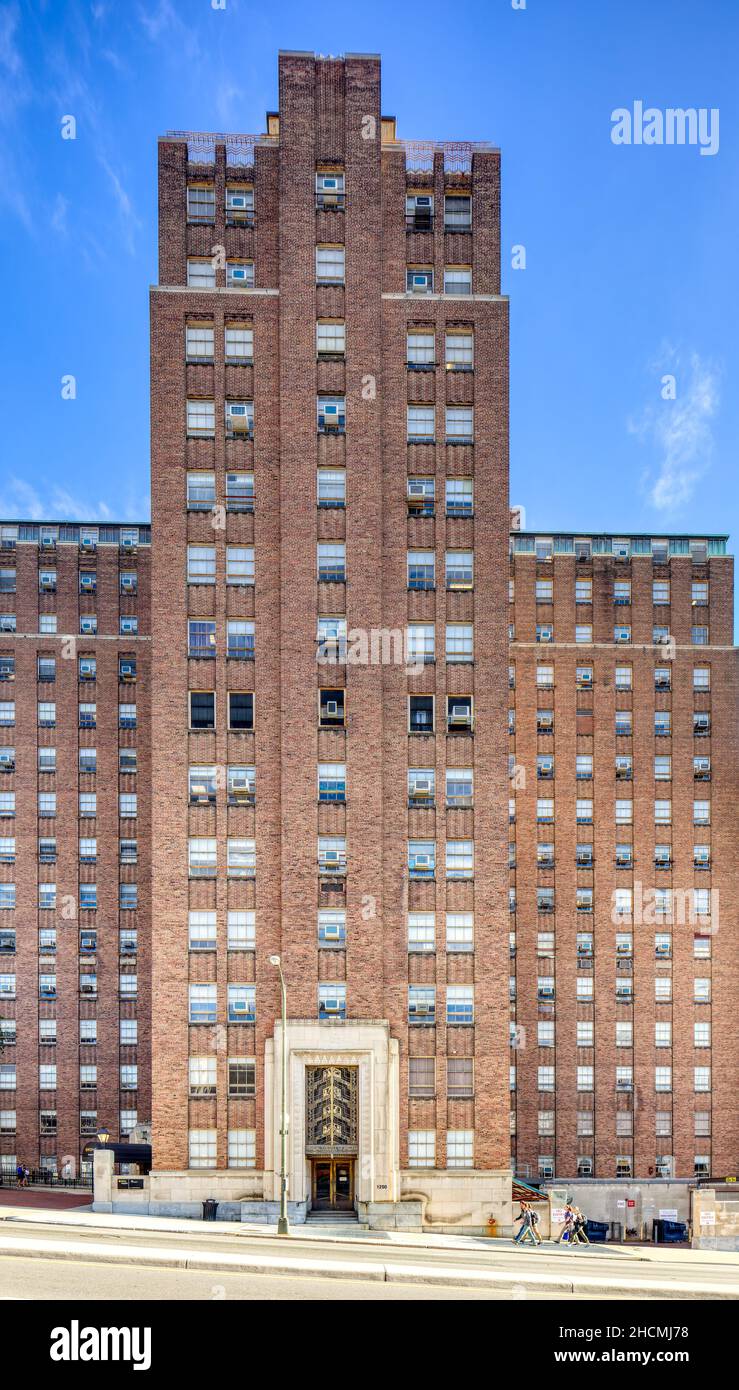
[330, 520]
[623, 748]
[75, 834]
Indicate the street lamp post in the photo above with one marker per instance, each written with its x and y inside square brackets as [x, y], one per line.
[283, 1227]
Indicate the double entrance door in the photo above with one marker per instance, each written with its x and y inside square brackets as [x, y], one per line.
[333, 1184]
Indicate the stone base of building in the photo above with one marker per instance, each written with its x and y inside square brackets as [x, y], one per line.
[461, 1202]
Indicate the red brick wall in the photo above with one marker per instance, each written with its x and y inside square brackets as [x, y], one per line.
[322, 109]
[68, 1054]
[601, 742]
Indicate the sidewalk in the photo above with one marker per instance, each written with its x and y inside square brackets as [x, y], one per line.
[84, 1218]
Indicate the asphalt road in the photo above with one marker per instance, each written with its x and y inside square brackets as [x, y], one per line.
[75, 1280]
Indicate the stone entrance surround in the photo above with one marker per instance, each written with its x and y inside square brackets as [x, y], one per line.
[387, 1197]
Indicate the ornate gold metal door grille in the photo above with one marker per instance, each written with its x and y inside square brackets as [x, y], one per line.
[331, 1111]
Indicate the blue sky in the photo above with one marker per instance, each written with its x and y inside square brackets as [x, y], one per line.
[631, 265]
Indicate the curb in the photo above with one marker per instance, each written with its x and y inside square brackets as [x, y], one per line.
[375, 1271]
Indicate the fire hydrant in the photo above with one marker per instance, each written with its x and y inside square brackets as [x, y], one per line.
[492, 1226]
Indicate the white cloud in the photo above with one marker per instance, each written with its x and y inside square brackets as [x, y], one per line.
[50, 502]
[680, 430]
[59, 214]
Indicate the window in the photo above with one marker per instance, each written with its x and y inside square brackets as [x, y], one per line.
[239, 205]
[460, 859]
[201, 564]
[332, 562]
[459, 497]
[201, 858]
[241, 930]
[663, 1078]
[545, 1078]
[331, 928]
[701, 991]
[330, 338]
[331, 854]
[421, 858]
[583, 591]
[201, 491]
[459, 931]
[584, 767]
[663, 768]
[663, 812]
[459, 569]
[331, 1001]
[544, 591]
[331, 487]
[545, 1035]
[240, 639]
[459, 424]
[459, 642]
[242, 1148]
[199, 342]
[201, 639]
[459, 1145]
[240, 711]
[701, 678]
[419, 279]
[242, 1080]
[459, 349]
[421, 569]
[701, 813]
[459, 783]
[421, 713]
[239, 343]
[699, 636]
[419, 212]
[421, 427]
[240, 274]
[331, 414]
[202, 1148]
[201, 418]
[239, 416]
[330, 265]
[421, 1148]
[201, 202]
[421, 786]
[241, 858]
[240, 492]
[457, 212]
[585, 1077]
[242, 1003]
[545, 677]
[330, 189]
[332, 782]
[460, 1004]
[421, 496]
[421, 1076]
[421, 1003]
[421, 643]
[457, 279]
[624, 1034]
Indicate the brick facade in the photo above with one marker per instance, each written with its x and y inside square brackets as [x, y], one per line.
[58, 577]
[638, 594]
[329, 118]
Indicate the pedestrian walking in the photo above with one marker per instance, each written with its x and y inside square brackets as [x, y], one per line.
[26, 1176]
[580, 1233]
[19, 1174]
[529, 1219]
[568, 1229]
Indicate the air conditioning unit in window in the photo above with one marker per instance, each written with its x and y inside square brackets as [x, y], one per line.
[128, 583]
[460, 714]
[623, 949]
[239, 1006]
[87, 625]
[418, 490]
[331, 1006]
[47, 543]
[419, 1009]
[663, 951]
[47, 584]
[238, 419]
[420, 284]
[331, 420]
[422, 788]
[237, 274]
[702, 767]
[87, 543]
[128, 543]
[584, 950]
[332, 931]
[240, 789]
[330, 861]
[422, 863]
[88, 583]
[332, 709]
[127, 671]
[546, 767]
[622, 634]
[7, 762]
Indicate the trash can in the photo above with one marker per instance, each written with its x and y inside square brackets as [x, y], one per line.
[596, 1231]
[617, 1231]
[210, 1207]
